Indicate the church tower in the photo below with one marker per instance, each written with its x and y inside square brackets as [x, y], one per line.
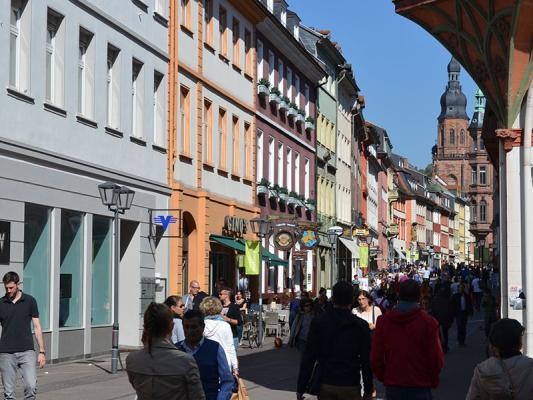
[450, 154]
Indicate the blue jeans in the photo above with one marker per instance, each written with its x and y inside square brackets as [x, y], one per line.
[407, 393]
[24, 361]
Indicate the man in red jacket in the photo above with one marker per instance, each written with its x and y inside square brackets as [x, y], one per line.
[406, 351]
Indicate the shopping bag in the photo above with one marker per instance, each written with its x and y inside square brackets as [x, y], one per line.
[242, 393]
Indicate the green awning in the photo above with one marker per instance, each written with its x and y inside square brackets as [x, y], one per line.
[271, 258]
[227, 241]
[238, 245]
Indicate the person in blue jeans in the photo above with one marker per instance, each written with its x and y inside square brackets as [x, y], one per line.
[215, 374]
[17, 312]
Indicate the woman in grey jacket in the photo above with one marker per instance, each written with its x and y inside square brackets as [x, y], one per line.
[508, 374]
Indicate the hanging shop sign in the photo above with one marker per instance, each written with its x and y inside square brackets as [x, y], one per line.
[161, 219]
[5, 242]
[234, 225]
[299, 255]
[283, 240]
[309, 239]
[360, 232]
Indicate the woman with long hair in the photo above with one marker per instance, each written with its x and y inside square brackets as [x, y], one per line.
[366, 310]
[176, 305]
[160, 370]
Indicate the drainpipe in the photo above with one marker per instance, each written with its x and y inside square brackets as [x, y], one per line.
[527, 199]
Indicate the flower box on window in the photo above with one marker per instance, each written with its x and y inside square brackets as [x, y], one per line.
[293, 110]
[301, 116]
[309, 124]
[274, 97]
[263, 87]
[284, 104]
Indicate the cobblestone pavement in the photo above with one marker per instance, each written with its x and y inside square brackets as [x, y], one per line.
[269, 373]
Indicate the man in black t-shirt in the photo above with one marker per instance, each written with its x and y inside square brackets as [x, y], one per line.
[17, 312]
[231, 313]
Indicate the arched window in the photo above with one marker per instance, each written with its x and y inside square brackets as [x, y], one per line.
[482, 211]
[462, 137]
[452, 136]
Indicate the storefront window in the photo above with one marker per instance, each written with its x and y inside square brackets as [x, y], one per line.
[101, 271]
[37, 263]
[70, 278]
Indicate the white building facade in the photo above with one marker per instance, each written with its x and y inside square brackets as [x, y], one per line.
[85, 102]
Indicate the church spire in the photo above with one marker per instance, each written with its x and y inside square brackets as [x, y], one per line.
[479, 113]
[453, 101]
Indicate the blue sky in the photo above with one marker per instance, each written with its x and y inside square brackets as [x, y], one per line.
[399, 67]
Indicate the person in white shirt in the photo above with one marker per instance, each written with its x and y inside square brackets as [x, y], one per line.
[366, 309]
[477, 291]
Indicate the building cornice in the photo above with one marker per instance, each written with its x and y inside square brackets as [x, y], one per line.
[510, 137]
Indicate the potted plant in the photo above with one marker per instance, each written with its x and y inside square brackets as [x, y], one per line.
[283, 194]
[301, 200]
[274, 191]
[310, 204]
[262, 186]
[274, 96]
[262, 87]
[284, 105]
[293, 198]
[301, 115]
[309, 124]
[293, 110]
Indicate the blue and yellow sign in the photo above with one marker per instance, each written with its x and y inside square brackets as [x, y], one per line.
[309, 239]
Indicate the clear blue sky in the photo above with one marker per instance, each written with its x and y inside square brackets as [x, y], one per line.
[399, 67]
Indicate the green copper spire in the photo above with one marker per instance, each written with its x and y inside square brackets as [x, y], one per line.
[480, 101]
[479, 113]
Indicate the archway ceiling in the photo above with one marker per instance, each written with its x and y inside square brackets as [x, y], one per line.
[492, 39]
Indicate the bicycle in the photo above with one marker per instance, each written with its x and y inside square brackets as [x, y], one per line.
[250, 331]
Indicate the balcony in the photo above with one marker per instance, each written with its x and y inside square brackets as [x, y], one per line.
[480, 228]
[392, 230]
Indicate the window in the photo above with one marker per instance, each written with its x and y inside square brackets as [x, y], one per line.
[259, 166]
[208, 132]
[208, 22]
[223, 31]
[280, 164]
[248, 150]
[306, 100]
[160, 137]
[185, 121]
[442, 138]
[71, 270]
[289, 83]
[113, 87]
[271, 67]
[162, 7]
[452, 136]
[481, 144]
[289, 169]
[86, 74]
[236, 31]
[306, 178]
[271, 159]
[260, 62]
[474, 175]
[186, 13]
[482, 211]
[462, 137]
[222, 138]
[297, 172]
[235, 145]
[473, 212]
[101, 301]
[55, 55]
[19, 46]
[37, 258]
[137, 98]
[281, 79]
[482, 175]
[248, 51]
[297, 90]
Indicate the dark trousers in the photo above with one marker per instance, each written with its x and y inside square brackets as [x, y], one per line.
[461, 321]
[407, 393]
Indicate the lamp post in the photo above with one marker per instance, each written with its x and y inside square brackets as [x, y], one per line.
[118, 199]
[261, 227]
[332, 238]
[481, 246]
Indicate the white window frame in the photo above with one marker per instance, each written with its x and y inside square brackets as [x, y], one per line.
[137, 98]
[271, 67]
[297, 172]
[161, 7]
[55, 49]
[19, 64]
[289, 83]
[260, 60]
[289, 169]
[86, 74]
[306, 178]
[297, 90]
[271, 160]
[260, 144]
[281, 78]
[306, 94]
[159, 110]
[14, 62]
[281, 165]
[113, 87]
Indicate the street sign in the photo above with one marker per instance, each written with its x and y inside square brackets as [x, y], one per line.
[361, 232]
[299, 255]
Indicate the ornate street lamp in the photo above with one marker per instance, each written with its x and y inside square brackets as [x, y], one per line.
[262, 228]
[117, 199]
